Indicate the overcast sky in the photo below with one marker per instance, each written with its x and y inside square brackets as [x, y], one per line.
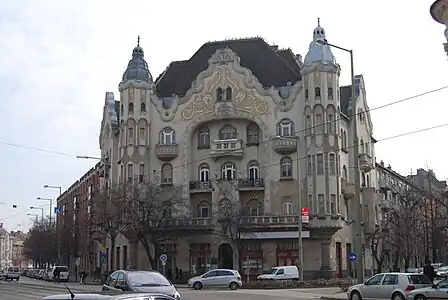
[59, 57]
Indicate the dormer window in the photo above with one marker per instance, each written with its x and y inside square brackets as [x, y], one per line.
[317, 93]
[330, 93]
[143, 107]
[224, 94]
[131, 107]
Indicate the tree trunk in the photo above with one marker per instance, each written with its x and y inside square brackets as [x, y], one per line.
[112, 253]
[146, 245]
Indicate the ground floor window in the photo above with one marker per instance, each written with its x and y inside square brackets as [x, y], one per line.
[200, 258]
[287, 253]
[252, 259]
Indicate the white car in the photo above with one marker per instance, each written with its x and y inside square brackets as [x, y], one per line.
[217, 278]
[281, 273]
[12, 273]
[63, 273]
[442, 272]
[437, 291]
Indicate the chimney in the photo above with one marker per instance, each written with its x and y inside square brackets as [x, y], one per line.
[1, 225]
[389, 167]
[382, 163]
[299, 57]
[274, 47]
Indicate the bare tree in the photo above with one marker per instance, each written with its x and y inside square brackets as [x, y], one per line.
[108, 215]
[154, 214]
[39, 244]
[378, 245]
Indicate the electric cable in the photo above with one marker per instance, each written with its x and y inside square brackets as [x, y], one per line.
[22, 212]
[264, 141]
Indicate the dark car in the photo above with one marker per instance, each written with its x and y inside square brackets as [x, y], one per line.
[140, 282]
[139, 296]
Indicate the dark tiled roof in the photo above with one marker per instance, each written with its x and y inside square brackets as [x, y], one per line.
[270, 67]
[345, 94]
[173, 68]
[289, 57]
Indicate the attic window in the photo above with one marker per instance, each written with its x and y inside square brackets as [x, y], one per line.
[131, 107]
[330, 93]
[143, 107]
[317, 93]
[224, 95]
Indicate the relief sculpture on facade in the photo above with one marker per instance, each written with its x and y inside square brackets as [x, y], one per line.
[201, 104]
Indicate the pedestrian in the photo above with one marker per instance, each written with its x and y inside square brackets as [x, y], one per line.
[429, 271]
[56, 274]
[82, 275]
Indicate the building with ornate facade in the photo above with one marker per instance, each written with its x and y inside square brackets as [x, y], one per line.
[276, 127]
[439, 12]
[6, 247]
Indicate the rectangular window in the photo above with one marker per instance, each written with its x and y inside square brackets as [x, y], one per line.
[333, 204]
[320, 164]
[311, 204]
[310, 165]
[332, 164]
[330, 124]
[131, 136]
[308, 125]
[318, 128]
[130, 173]
[141, 173]
[141, 134]
[117, 259]
[321, 201]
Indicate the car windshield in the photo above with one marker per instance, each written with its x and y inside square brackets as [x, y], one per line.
[62, 269]
[418, 279]
[442, 284]
[445, 268]
[271, 271]
[142, 278]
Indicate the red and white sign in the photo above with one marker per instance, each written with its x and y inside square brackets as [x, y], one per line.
[305, 215]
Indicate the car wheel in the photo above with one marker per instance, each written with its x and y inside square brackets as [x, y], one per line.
[419, 297]
[397, 296]
[197, 285]
[233, 286]
[355, 295]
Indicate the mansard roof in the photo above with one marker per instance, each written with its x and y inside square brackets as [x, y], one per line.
[271, 66]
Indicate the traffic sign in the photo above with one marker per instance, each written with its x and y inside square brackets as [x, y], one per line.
[163, 258]
[57, 210]
[305, 215]
[352, 256]
[103, 252]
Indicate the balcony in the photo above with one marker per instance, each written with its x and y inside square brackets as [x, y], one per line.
[184, 224]
[285, 145]
[198, 186]
[167, 152]
[347, 189]
[273, 221]
[365, 162]
[250, 184]
[327, 224]
[232, 147]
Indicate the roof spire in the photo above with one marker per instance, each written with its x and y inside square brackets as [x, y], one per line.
[318, 21]
[138, 41]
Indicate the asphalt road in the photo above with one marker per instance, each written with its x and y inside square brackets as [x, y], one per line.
[29, 289]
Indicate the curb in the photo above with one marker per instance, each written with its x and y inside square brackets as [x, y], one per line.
[331, 298]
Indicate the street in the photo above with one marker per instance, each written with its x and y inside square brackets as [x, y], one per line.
[31, 289]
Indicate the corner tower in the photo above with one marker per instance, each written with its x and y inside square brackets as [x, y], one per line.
[135, 89]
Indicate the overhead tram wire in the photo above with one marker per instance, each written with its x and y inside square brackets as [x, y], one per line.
[300, 158]
[22, 212]
[261, 142]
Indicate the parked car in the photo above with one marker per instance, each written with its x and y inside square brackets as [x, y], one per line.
[140, 282]
[63, 273]
[12, 273]
[395, 286]
[280, 273]
[436, 291]
[217, 278]
[442, 272]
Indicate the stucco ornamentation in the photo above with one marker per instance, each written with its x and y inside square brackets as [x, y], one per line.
[201, 104]
[246, 101]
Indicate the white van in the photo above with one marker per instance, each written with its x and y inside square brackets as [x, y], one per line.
[281, 273]
[12, 273]
[63, 273]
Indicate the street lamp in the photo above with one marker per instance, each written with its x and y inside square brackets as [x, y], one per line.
[33, 207]
[34, 215]
[356, 207]
[13, 206]
[299, 207]
[51, 205]
[46, 186]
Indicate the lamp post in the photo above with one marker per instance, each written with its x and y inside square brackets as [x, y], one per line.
[51, 205]
[356, 201]
[33, 207]
[46, 186]
[35, 216]
[299, 207]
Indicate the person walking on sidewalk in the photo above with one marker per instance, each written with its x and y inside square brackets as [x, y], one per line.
[57, 275]
[83, 275]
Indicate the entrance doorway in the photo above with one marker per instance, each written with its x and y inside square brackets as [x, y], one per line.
[225, 256]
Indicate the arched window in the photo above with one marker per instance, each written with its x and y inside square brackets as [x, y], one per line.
[167, 209]
[285, 167]
[308, 125]
[332, 163]
[203, 138]
[122, 110]
[228, 94]
[142, 107]
[363, 183]
[131, 107]
[254, 208]
[204, 173]
[287, 209]
[167, 136]
[167, 173]
[306, 94]
[204, 209]
[253, 170]
[330, 93]
[228, 132]
[344, 173]
[285, 128]
[228, 171]
[317, 93]
[253, 134]
[345, 140]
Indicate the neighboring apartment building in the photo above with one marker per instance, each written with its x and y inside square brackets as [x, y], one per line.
[74, 227]
[439, 12]
[6, 247]
[267, 105]
[18, 259]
